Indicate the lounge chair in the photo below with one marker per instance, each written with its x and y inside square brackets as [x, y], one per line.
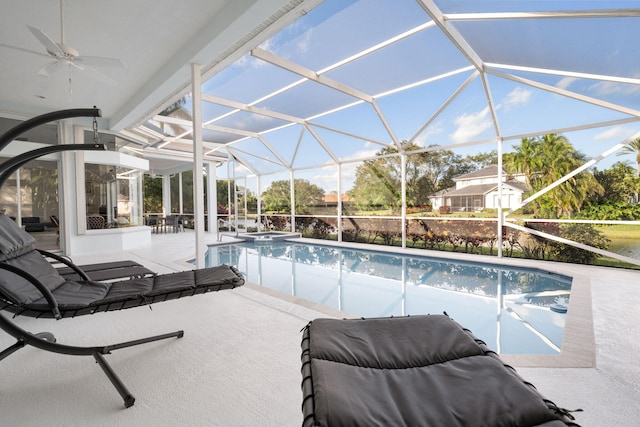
[413, 371]
[30, 285]
[101, 271]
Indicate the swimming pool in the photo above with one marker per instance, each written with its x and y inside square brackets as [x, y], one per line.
[509, 308]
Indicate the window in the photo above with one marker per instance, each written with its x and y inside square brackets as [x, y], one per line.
[113, 193]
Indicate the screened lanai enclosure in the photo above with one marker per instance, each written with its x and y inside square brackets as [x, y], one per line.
[506, 128]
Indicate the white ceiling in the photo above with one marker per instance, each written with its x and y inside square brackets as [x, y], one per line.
[156, 39]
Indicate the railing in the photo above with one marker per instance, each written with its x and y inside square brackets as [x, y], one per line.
[228, 224]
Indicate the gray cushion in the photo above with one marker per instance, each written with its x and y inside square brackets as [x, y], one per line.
[74, 295]
[412, 371]
[13, 240]
[20, 289]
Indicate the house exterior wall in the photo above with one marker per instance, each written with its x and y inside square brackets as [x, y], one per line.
[477, 181]
[510, 198]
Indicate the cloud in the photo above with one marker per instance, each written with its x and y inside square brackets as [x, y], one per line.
[611, 88]
[565, 82]
[434, 128]
[471, 125]
[518, 96]
[295, 39]
[616, 133]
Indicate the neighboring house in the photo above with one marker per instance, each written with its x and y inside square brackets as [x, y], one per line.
[331, 199]
[478, 190]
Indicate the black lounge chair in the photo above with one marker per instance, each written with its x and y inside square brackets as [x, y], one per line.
[102, 271]
[30, 285]
[413, 371]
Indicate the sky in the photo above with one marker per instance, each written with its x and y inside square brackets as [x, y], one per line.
[542, 76]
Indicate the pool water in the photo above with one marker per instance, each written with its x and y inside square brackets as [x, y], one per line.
[508, 308]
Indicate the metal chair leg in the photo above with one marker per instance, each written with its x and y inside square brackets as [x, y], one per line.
[126, 395]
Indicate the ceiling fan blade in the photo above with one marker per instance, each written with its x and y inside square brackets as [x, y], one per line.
[25, 50]
[50, 68]
[99, 61]
[52, 48]
[97, 75]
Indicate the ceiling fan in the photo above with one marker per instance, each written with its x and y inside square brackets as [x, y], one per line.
[65, 55]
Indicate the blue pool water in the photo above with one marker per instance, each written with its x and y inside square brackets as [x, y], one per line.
[508, 308]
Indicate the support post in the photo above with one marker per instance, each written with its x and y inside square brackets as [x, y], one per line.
[198, 157]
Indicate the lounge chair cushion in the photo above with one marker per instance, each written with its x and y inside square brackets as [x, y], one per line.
[107, 271]
[21, 289]
[409, 371]
[73, 295]
[13, 241]
[126, 289]
[76, 297]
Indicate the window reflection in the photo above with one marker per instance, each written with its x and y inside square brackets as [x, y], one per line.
[113, 196]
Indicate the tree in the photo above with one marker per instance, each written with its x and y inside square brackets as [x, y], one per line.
[481, 160]
[546, 159]
[152, 194]
[177, 110]
[620, 183]
[377, 184]
[526, 159]
[277, 198]
[378, 181]
[632, 148]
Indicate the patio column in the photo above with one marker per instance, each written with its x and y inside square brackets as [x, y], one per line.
[166, 195]
[198, 193]
[403, 195]
[340, 228]
[212, 198]
[259, 202]
[500, 221]
[292, 198]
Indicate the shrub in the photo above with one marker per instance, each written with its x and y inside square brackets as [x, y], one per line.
[581, 233]
[611, 210]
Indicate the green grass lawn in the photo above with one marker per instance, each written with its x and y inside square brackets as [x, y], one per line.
[620, 231]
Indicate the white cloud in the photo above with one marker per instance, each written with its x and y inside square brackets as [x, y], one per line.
[518, 96]
[565, 82]
[616, 133]
[611, 88]
[471, 125]
[434, 128]
[297, 38]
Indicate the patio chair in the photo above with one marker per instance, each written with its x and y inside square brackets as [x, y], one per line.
[172, 223]
[95, 222]
[413, 371]
[31, 286]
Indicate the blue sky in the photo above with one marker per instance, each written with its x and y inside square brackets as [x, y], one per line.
[413, 82]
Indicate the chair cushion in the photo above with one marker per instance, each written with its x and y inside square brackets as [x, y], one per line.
[20, 289]
[410, 371]
[225, 277]
[13, 240]
[73, 295]
[126, 289]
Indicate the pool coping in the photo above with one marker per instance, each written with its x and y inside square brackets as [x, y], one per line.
[578, 344]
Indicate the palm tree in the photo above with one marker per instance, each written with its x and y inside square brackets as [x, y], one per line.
[526, 159]
[546, 159]
[632, 148]
[176, 110]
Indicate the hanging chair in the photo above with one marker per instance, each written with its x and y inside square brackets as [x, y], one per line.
[31, 286]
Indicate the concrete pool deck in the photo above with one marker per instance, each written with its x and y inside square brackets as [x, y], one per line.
[239, 361]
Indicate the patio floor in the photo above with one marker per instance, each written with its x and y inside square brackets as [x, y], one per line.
[238, 363]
